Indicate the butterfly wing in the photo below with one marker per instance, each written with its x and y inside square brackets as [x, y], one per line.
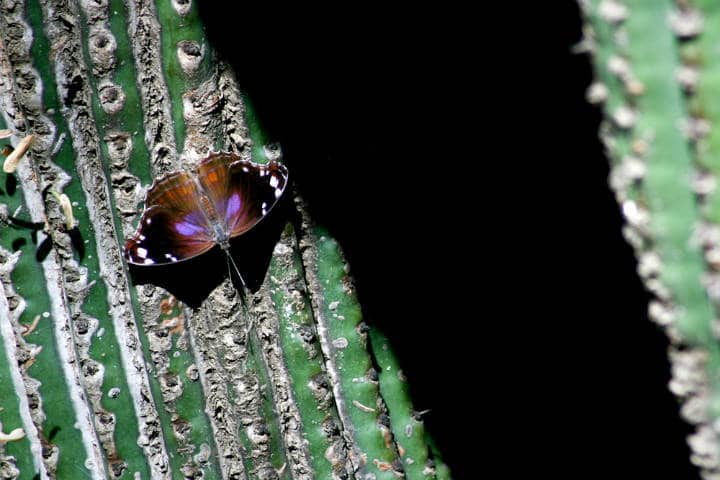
[213, 173]
[242, 192]
[172, 227]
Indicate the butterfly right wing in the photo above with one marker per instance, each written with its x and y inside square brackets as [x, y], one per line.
[173, 227]
[254, 189]
[241, 192]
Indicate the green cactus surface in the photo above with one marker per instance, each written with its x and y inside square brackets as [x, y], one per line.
[656, 65]
[102, 377]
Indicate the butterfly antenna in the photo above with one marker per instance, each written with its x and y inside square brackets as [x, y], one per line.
[244, 294]
[244, 291]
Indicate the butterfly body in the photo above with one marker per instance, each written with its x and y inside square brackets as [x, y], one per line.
[218, 228]
[188, 213]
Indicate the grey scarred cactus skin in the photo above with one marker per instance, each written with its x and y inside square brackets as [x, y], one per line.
[105, 379]
[656, 65]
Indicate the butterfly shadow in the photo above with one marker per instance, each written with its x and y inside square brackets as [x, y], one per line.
[191, 281]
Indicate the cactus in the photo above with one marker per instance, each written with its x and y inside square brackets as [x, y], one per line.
[656, 77]
[105, 377]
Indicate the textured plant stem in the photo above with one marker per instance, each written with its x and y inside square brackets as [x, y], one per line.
[117, 380]
[56, 370]
[649, 64]
[407, 426]
[342, 338]
[15, 408]
[316, 410]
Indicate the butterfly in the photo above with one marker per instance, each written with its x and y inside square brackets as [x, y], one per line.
[188, 213]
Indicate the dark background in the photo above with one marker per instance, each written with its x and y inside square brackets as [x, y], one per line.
[605, 361]
[431, 155]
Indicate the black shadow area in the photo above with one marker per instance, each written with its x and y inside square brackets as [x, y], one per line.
[371, 105]
[191, 281]
[597, 374]
[11, 184]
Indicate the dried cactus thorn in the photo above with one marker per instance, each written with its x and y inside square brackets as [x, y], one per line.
[30, 361]
[13, 160]
[382, 466]
[14, 435]
[362, 407]
[66, 207]
[28, 329]
[174, 324]
[387, 435]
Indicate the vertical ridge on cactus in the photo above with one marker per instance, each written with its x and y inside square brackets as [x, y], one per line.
[655, 70]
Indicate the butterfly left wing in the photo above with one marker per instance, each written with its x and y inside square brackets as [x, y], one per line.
[173, 227]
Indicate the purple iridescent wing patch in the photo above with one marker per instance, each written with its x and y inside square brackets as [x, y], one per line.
[233, 206]
[191, 225]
